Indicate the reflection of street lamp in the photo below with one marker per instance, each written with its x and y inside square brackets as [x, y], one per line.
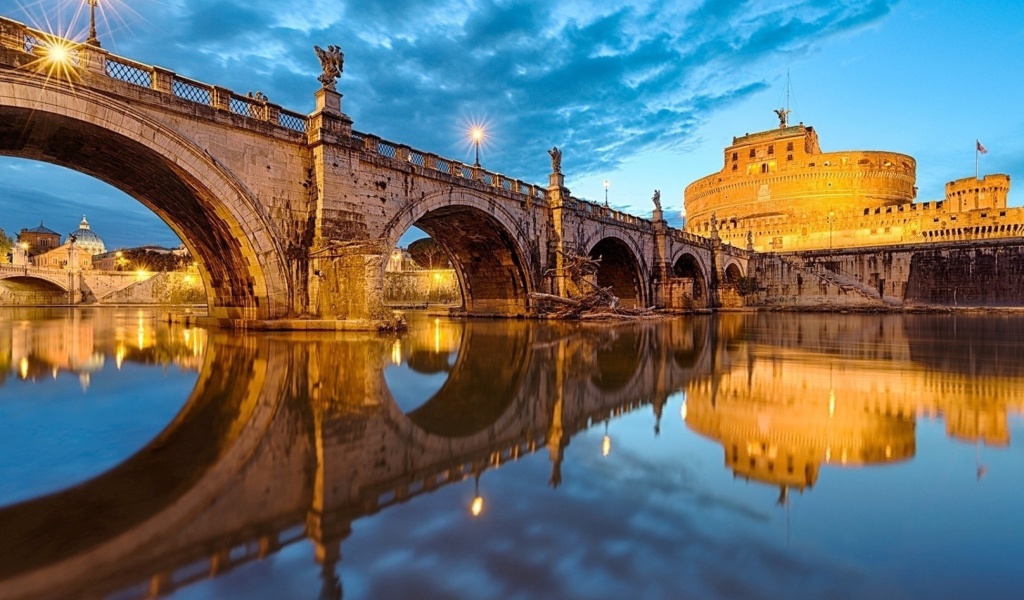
[606, 441]
[477, 135]
[606, 184]
[478, 501]
[93, 40]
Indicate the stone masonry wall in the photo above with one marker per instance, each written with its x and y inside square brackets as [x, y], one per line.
[989, 273]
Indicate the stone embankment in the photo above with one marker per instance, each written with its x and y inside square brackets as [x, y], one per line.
[911, 277]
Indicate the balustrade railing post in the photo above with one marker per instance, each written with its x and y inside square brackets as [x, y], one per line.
[163, 80]
[12, 35]
[272, 113]
[371, 144]
[220, 98]
[94, 59]
[430, 161]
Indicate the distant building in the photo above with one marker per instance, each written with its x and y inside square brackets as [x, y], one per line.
[86, 238]
[38, 239]
[68, 256]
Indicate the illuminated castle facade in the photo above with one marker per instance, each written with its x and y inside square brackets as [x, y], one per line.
[777, 191]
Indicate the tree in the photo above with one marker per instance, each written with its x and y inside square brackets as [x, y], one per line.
[428, 254]
[6, 246]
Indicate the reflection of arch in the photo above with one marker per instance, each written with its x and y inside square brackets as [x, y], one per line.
[733, 273]
[688, 266]
[619, 270]
[482, 384]
[173, 478]
[485, 244]
[689, 347]
[618, 361]
[221, 223]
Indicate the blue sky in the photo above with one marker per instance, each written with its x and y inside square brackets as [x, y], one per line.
[645, 94]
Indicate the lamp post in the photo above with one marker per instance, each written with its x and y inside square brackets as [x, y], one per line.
[477, 135]
[606, 184]
[93, 40]
[831, 215]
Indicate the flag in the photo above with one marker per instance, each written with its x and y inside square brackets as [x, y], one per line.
[981, 149]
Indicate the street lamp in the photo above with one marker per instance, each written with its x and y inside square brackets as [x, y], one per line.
[476, 133]
[93, 40]
[830, 218]
[606, 184]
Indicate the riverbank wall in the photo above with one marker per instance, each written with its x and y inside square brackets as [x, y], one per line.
[985, 273]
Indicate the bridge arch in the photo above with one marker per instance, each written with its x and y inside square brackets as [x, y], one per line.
[733, 272]
[687, 265]
[621, 270]
[240, 259]
[487, 246]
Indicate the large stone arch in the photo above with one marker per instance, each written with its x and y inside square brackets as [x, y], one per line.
[489, 249]
[621, 269]
[229, 234]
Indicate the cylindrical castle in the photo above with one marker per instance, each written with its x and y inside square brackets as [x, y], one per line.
[781, 188]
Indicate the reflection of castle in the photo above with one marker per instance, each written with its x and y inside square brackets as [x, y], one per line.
[846, 392]
[779, 187]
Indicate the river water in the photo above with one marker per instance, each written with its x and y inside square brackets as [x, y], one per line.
[730, 456]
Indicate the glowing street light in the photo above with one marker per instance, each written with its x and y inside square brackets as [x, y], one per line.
[93, 40]
[606, 184]
[477, 134]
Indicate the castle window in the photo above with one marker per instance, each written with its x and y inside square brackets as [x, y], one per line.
[866, 210]
[734, 166]
[771, 149]
[735, 155]
[752, 153]
[789, 157]
[810, 164]
[764, 167]
[789, 147]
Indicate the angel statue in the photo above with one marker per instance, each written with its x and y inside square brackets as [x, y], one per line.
[657, 199]
[333, 62]
[556, 159]
[783, 114]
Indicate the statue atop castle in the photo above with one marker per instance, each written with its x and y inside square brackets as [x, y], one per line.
[783, 114]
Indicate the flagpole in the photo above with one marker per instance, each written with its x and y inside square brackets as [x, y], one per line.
[976, 153]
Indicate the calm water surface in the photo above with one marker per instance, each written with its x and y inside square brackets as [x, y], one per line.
[737, 456]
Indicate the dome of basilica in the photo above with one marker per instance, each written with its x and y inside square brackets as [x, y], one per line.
[87, 239]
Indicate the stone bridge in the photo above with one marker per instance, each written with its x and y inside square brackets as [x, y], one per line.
[292, 216]
[284, 439]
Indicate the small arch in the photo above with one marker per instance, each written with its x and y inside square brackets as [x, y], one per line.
[688, 266]
[733, 274]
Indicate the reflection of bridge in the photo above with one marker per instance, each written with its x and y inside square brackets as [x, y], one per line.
[283, 440]
[291, 215]
[289, 438]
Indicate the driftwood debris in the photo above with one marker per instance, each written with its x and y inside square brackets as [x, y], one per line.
[586, 299]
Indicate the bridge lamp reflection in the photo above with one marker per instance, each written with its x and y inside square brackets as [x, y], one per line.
[477, 506]
[606, 441]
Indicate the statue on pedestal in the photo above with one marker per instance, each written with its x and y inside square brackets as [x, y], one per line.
[333, 63]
